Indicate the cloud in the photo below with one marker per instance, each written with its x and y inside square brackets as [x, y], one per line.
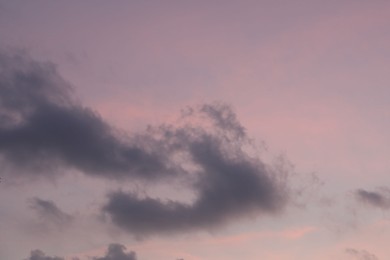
[224, 118]
[117, 252]
[39, 255]
[114, 252]
[49, 213]
[360, 254]
[379, 198]
[43, 130]
[229, 184]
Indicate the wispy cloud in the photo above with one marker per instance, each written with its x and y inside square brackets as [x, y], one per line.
[379, 198]
[49, 213]
[360, 254]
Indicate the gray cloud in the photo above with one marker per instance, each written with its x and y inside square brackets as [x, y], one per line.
[379, 198]
[39, 255]
[114, 252]
[360, 254]
[224, 118]
[49, 213]
[230, 183]
[117, 252]
[43, 129]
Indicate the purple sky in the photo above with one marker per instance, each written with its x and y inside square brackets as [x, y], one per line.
[195, 130]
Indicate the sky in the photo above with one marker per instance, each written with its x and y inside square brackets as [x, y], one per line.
[194, 130]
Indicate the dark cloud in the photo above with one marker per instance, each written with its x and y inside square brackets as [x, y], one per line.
[230, 182]
[49, 213]
[114, 252]
[39, 255]
[379, 198]
[117, 252]
[360, 254]
[43, 129]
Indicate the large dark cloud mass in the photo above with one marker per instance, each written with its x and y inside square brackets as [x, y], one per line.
[229, 184]
[42, 130]
[379, 198]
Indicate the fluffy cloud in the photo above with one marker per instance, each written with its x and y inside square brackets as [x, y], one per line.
[117, 252]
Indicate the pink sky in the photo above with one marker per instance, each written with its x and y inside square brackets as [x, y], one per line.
[308, 78]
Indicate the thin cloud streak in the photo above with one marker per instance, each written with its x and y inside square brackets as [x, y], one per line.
[48, 212]
[361, 254]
